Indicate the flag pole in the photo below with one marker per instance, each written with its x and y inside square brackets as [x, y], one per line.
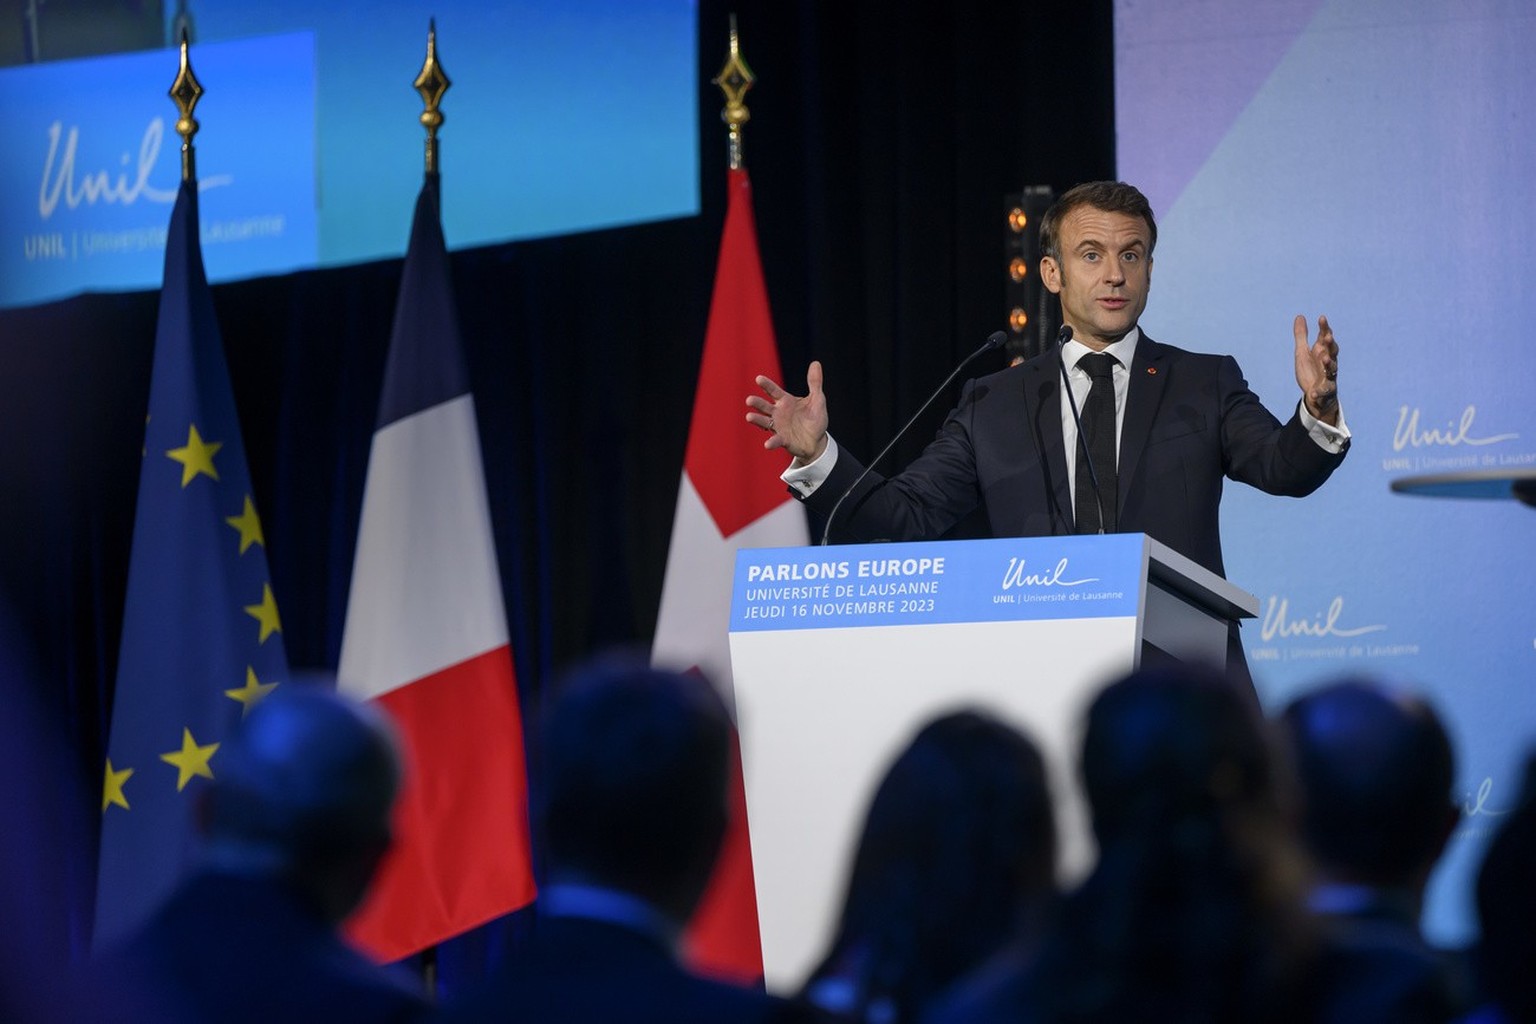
[188, 631]
[461, 856]
[729, 497]
[734, 79]
[432, 83]
[186, 91]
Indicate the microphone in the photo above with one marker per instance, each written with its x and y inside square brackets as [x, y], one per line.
[1062, 337]
[994, 340]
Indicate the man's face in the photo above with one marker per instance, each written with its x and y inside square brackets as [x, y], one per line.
[1102, 275]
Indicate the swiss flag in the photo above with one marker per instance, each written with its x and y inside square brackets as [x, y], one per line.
[426, 634]
[730, 497]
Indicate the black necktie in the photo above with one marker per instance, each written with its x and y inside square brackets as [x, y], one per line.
[1099, 437]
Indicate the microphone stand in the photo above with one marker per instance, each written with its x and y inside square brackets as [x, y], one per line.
[994, 340]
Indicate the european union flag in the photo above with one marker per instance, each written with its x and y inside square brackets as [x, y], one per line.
[202, 641]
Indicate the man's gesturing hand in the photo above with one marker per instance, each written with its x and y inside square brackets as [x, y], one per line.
[1317, 369]
[798, 424]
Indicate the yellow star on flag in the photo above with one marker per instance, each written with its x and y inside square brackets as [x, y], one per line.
[196, 457]
[112, 790]
[251, 693]
[265, 613]
[190, 760]
[249, 525]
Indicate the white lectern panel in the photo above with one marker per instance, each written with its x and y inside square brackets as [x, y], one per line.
[818, 734]
[840, 655]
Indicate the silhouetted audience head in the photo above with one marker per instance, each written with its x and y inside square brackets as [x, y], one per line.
[631, 801]
[1506, 909]
[295, 822]
[1195, 908]
[1173, 747]
[959, 847]
[1376, 771]
[303, 794]
[632, 794]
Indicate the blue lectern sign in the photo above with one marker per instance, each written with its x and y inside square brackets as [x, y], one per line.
[912, 584]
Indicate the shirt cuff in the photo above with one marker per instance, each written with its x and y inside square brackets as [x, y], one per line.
[1328, 437]
[804, 479]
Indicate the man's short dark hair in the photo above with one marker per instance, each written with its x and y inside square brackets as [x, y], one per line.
[1109, 196]
[1376, 772]
[635, 761]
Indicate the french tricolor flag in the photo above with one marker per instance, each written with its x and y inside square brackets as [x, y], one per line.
[426, 633]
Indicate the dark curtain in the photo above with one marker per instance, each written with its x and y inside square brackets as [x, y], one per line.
[882, 141]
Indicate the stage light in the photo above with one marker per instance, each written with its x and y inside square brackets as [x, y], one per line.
[1031, 309]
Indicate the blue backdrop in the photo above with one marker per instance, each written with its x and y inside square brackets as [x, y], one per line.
[1369, 160]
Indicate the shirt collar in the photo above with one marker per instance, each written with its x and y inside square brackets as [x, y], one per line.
[1124, 350]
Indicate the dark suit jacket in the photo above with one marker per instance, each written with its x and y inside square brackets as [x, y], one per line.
[232, 949]
[1190, 422]
[580, 971]
[1378, 968]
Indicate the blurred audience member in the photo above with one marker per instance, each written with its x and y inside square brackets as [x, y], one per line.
[295, 823]
[1506, 909]
[1376, 771]
[957, 860]
[631, 806]
[1195, 908]
[48, 822]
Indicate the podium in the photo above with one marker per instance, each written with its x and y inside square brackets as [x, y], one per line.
[840, 654]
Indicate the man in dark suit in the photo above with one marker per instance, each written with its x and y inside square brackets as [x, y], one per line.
[1376, 772]
[1164, 426]
[631, 804]
[295, 823]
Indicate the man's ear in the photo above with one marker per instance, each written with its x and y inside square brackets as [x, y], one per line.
[1050, 274]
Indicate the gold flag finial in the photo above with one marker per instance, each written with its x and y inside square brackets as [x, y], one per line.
[734, 80]
[186, 91]
[432, 83]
